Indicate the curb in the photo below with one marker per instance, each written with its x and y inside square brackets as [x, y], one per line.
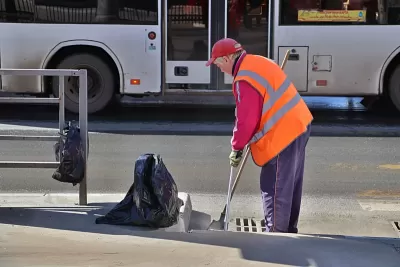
[185, 213]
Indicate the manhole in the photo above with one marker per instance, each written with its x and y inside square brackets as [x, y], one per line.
[248, 225]
[396, 227]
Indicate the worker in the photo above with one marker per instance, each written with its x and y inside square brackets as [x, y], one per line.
[274, 120]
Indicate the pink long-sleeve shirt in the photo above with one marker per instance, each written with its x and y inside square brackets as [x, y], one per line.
[248, 110]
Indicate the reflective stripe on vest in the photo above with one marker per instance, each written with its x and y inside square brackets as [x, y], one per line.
[273, 97]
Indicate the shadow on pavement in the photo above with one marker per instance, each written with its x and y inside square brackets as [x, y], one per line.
[280, 249]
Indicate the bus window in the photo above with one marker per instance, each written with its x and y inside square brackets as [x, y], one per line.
[354, 12]
[14, 11]
[188, 44]
[393, 13]
[288, 9]
[130, 12]
[187, 30]
[137, 12]
[247, 23]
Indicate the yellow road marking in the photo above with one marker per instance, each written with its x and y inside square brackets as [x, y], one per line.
[364, 167]
[379, 193]
[390, 166]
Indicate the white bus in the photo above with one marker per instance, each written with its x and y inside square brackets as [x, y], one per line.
[156, 50]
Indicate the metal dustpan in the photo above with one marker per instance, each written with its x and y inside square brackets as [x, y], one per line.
[222, 223]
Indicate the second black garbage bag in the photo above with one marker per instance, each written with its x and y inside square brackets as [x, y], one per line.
[152, 200]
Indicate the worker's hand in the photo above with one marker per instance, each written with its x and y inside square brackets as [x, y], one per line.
[235, 157]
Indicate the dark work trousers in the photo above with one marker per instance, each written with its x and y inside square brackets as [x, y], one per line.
[281, 183]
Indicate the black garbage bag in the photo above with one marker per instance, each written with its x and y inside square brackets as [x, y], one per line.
[151, 201]
[71, 168]
[124, 213]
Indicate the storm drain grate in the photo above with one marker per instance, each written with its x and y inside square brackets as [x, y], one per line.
[396, 226]
[249, 225]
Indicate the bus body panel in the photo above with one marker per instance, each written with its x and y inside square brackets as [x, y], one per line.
[345, 56]
[103, 46]
[342, 59]
[364, 61]
[138, 56]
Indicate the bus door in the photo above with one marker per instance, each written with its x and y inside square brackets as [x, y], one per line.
[247, 21]
[188, 44]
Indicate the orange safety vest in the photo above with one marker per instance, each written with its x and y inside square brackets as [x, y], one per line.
[285, 115]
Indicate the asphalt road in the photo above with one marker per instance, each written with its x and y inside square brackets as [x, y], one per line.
[352, 184]
[336, 166]
[352, 176]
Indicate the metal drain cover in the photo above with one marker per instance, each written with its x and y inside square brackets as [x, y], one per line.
[247, 225]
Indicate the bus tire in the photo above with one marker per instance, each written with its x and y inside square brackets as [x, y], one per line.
[100, 81]
[394, 87]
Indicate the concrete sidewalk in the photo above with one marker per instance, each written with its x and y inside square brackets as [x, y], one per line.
[34, 247]
[36, 232]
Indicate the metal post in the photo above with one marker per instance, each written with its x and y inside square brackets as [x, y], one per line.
[61, 110]
[83, 125]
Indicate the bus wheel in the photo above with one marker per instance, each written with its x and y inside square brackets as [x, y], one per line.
[394, 88]
[100, 82]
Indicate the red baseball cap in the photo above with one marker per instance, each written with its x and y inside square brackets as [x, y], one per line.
[223, 48]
